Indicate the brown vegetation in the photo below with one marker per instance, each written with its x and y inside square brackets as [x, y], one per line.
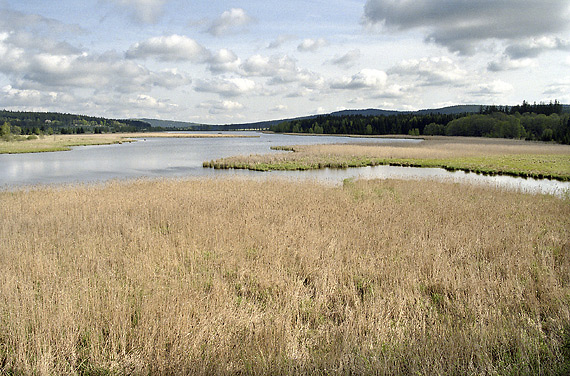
[243, 277]
[481, 155]
[184, 135]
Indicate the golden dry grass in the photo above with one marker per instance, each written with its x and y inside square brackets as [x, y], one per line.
[60, 142]
[65, 142]
[185, 135]
[244, 277]
[501, 156]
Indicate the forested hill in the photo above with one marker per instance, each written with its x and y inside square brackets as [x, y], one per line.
[53, 122]
[546, 122]
[460, 109]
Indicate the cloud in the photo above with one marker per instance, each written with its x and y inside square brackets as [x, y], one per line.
[29, 98]
[365, 79]
[226, 87]
[232, 20]
[494, 88]
[347, 60]
[461, 25]
[224, 61]
[169, 79]
[147, 102]
[169, 48]
[221, 107]
[279, 108]
[559, 89]
[95, 72]
[520, 55]
[311, 45]
[506, 64]
[24, 34]
[281, 39]
[11, 20]
[394, 91]
[280, 70]
[146, 11]
[431, 71]
[535, 46]
[300, 93]
[258, 65]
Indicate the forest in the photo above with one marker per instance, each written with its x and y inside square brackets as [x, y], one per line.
[544, 122]
[37, 123]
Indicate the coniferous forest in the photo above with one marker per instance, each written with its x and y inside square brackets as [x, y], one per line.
[544, 122]
[28, 123]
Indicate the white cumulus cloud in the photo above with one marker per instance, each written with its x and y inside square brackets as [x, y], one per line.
[311, 45]
[497, 87]
[148, 102]
[221, 107]
[431, 71]
[227, 87]
[169, 48]
[224, 61]
[232, 20]
[365, 79]
[535, 46]
[505, 64]
[461, 25]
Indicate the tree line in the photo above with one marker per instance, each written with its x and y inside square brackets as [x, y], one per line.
[545, 122]
[37, 123]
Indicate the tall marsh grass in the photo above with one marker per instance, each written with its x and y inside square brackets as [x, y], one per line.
[244, 277]
[480, 155]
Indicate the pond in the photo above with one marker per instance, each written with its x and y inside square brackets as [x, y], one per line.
[183, 157]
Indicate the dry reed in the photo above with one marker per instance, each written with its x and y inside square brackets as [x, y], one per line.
[481, 155]
[245, 277]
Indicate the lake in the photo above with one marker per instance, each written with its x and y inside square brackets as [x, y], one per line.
[183, 157]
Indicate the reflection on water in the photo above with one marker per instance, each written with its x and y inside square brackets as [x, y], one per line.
[334, 176]
[183, 157]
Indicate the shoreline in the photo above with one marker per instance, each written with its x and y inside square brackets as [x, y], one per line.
[55, 143]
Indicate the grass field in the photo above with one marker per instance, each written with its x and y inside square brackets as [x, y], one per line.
[488, 156]
[60, 143]
[246, 277]
[186, 135]
[66, 142]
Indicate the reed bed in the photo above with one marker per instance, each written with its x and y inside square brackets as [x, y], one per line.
[185, 135]
[248, 277]
[60, 142]
[480, 155]
[66, 142]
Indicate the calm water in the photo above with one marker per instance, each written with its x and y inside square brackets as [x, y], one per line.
[179, 157]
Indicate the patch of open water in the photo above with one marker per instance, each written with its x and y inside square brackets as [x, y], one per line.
[183, 157]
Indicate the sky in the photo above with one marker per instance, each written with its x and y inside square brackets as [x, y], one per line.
[219, 61]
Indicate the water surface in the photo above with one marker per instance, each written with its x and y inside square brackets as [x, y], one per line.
[150, 157]
[183, 157]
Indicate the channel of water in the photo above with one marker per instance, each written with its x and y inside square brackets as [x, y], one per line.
[183, 157]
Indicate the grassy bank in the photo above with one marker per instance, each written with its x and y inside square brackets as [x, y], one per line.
[66, 142]
[245, 277]
[487, 156]
[186, 135]
[60, 143]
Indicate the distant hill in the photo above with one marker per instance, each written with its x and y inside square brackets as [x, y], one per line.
[260, 125]
[460, 109]
[365, 112]
[30, 122]
[452, 110]
[170, 123]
